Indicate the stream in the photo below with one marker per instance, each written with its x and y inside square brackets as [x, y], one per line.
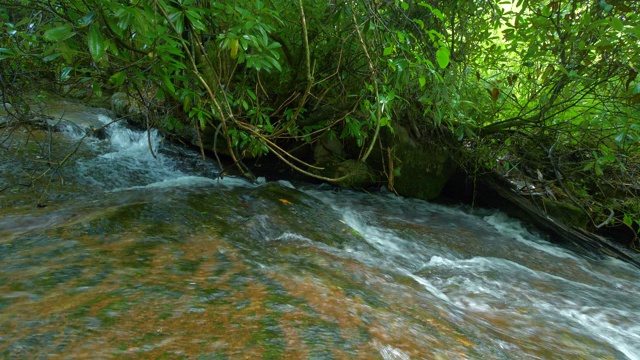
[138, 255]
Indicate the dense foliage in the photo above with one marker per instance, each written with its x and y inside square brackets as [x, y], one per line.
[544, 90]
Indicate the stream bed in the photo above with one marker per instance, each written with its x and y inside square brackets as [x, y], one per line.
[138, 255]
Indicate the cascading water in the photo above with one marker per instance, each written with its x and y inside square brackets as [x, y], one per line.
[154, 257]
[500, 273]
[129, 158]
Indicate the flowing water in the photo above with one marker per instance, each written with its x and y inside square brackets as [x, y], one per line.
[136, 256]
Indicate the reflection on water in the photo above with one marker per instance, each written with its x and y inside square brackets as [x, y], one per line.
[174, 264]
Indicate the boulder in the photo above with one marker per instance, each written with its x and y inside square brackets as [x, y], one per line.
[421, 171]
[359, 174]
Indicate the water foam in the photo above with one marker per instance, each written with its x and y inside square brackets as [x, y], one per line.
[601, 324]
[514, 229]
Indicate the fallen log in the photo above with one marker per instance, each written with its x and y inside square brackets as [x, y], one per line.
[506, 198]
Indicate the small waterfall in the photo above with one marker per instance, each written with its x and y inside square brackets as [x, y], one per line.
[133, 159]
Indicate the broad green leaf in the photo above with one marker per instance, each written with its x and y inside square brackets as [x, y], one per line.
[58, 33]
[422, 81]
[442, 57]
[96, 42]
[617, 24]
[275, 63]
[387, 51]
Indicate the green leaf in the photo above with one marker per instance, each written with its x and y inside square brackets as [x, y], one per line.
[169, 84]
[6, 53]
[65, 73]
[434, 11]
[96, 42]
[58, 33]
[617, 24]
[251, 94]
[401, 36]
[598, 169]
[177, 18]
[87, 19]
[438, 14]
[442, 57]
[97, 90]
[422, 81]
[589, 166]
[118, 78]
[460, 132]
[203, 120]
[194, 17]
[605, 6]
[51, 57]
[275, 63]
[387, 51]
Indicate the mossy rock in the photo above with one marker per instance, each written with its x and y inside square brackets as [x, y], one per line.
[567, 214]
[360, 175]
[124, 106]
[421, 172]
